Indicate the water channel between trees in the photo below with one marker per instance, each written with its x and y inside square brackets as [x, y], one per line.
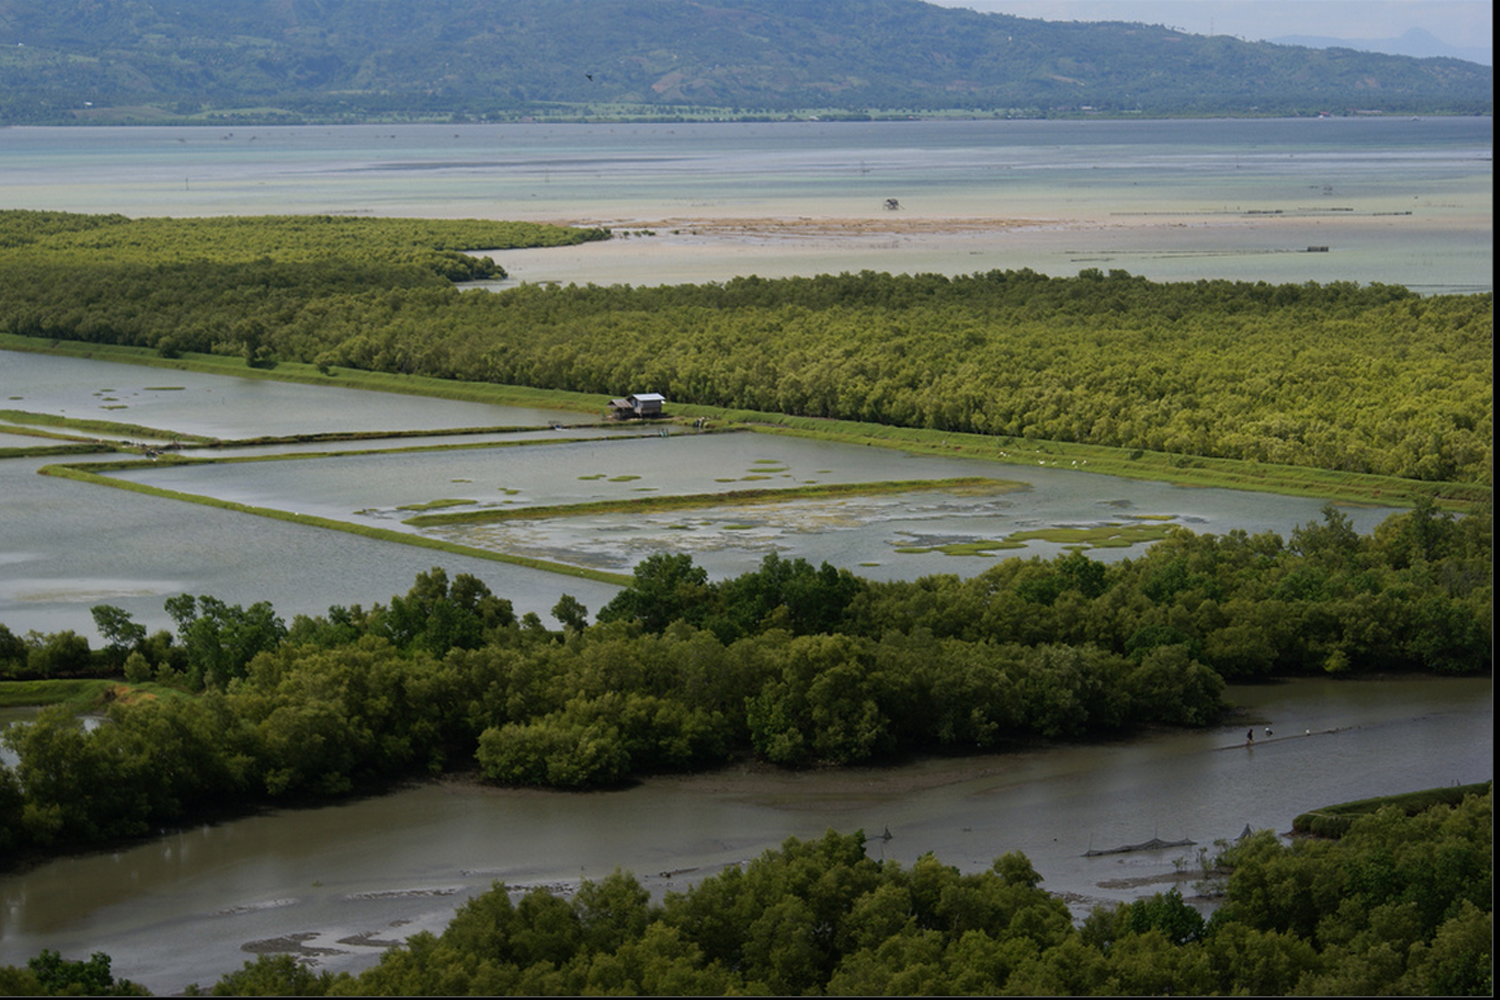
[339, 883]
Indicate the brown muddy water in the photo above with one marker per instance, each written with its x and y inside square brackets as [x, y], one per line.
[338, 884]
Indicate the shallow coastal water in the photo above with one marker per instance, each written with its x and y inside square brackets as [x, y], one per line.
[1404, 201]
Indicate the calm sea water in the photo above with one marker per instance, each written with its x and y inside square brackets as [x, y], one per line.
[1396, 201]
[1404, 201]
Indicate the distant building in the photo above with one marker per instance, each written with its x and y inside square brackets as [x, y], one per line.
[641, 404]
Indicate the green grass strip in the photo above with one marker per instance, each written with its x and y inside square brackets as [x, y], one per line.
[81, 693]
[690, 501]
[163, 461]
[54, 450]
[1180, 470]
[96, 426]
[1334, 821]
[81, 473]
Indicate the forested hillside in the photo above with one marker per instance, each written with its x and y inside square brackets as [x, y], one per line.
[1338, 377]
[360, 60]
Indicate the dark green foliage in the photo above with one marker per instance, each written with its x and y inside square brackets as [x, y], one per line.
[1323, 378]
[1335, 821]
[666, 588]
[1402, 906]
[222, 639]
[1167, 913]
[59, 654]
[796, 665]
[58, 977]
[437, 618]
[118, 629]
[274, 976]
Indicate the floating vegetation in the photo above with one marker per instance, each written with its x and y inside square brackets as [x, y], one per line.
[460, 480]
[437, 504]
[623, 479]
[1105, 536]
[738, 527]
[1113, 535]
[164, 388]
[1154, 517]
[981, 547]
[700, 500]
[597, 475]
[752, 479]
[508, 491]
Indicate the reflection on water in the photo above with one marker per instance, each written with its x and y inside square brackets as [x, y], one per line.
[1396, 200]
[193, 904]
[70, 545]
[866, 535]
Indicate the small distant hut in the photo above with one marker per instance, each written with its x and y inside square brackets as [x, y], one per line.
[638, 405]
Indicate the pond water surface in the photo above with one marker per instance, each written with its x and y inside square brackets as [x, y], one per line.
[68, 545]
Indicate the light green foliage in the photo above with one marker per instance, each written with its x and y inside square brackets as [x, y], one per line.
[1335, 377]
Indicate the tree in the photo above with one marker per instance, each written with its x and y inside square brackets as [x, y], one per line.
[274, 976]
[92, 978]
[665, 588]
[571, 613]
[118, 629]
[221, 639]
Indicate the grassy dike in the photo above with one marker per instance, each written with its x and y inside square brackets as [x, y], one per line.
[1334, 821]
[692, 501]
[1179, 470]
[82, 473]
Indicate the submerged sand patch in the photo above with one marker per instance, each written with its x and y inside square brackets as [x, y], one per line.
[812, 227]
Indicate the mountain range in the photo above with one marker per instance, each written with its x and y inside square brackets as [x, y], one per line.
[1413, 42]
[197, 61]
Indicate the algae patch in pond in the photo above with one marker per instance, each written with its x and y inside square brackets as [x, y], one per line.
[1112, 535]
[437, 504]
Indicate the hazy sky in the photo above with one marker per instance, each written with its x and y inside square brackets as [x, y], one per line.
[1457, 22]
